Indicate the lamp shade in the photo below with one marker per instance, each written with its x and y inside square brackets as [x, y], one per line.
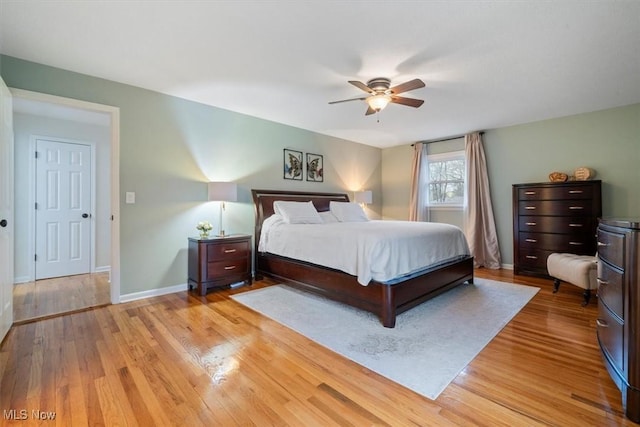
[223, 191]
[378, 102]
[365, 197]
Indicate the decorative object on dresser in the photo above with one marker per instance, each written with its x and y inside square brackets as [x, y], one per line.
[219, 261]
[558, 177]
[553, 217]
[618, 323]
[583, 173]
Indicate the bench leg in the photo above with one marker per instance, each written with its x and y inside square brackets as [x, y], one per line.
[587, 297]
[556, 285]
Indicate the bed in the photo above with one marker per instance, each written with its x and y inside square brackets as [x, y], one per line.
[383, 299]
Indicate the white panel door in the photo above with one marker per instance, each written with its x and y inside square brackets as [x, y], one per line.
[63, 202]
[6, 210]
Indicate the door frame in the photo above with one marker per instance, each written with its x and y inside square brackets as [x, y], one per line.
[32, 245]
[114, 113]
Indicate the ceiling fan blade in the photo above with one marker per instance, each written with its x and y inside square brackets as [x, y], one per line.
[407, 86]
[369, 111]
[411, 102]
[347, 100]
[361, 85]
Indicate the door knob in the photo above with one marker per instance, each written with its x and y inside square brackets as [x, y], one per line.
[3, 223]
[84, 215]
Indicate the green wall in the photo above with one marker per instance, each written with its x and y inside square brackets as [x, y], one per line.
[607, 141]
[170, 148]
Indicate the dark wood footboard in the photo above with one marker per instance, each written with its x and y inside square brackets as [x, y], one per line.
[386, 301]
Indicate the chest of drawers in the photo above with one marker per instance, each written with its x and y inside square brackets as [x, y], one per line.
[553, 217]
[219, 261]
[619, 307]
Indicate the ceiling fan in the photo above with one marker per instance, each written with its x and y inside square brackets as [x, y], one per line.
[380, 94]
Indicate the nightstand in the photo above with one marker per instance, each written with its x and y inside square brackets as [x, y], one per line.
[219, 261]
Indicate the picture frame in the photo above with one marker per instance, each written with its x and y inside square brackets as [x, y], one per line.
[292, 164]
[315, 167]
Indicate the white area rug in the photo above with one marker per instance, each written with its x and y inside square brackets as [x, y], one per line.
[428, 347]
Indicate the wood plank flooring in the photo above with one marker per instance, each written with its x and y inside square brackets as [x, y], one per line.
[49, 297]
[182, 359]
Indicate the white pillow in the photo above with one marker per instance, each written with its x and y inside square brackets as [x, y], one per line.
[328, 217]
[348, 212]
[297, 212]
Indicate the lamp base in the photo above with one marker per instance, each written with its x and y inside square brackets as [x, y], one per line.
[221, 234]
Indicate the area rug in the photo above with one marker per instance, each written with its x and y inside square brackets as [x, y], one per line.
[428, 347]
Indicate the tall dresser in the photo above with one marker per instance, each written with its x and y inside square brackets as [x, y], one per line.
[553, 217]
[618, 320]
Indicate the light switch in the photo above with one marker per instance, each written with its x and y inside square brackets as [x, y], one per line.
[130, 197]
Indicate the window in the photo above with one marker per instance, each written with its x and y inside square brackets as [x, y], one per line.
[446, 179]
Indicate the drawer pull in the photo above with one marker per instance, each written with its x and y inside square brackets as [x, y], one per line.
[532, 223]
[576, 225]
[602, 281]
[529, 193]
[229, 251]
[576, 243]
[530, 208]
[603, 244]
[575, 192]
[602, 323]
[230, 267]
[576, 208]
[530, 240]
[531, 257]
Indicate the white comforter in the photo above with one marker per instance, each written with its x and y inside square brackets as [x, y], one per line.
[378, 250]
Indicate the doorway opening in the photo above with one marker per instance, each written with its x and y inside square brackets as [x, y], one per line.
[70, 262]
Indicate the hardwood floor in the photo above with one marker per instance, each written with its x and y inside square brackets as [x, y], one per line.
[182, 359]
[50, 297]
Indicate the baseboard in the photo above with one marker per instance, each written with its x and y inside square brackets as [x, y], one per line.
[507, 266]
[154, 293]
[21, 279]
[103, 269]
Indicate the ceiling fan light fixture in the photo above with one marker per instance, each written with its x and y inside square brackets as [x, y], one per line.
[379, 101]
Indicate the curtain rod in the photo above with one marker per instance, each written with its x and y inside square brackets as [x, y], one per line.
[444, 139]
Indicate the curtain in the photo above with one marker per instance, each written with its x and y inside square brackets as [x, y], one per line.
[418, 209]
[479, 223]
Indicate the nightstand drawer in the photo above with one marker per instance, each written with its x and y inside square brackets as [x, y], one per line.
[227, 251]
[218, 269]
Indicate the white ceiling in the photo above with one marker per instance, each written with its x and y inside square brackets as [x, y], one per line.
[486, 64]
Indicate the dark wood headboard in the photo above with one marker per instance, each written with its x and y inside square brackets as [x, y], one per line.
[263, 202]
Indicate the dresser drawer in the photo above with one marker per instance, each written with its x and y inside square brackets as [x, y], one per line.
[611, 247]
[557, 224]
[555, 242]
[555, 207]
[220, 251]
[556, 193]
[533, 258]
[610, 288]
[610, 336]
[219, 269]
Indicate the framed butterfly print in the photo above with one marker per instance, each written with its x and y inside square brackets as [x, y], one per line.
[315, 171]
[292, 164]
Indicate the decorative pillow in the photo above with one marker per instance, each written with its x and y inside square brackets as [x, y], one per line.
[297, 212]
[348, 212]
[328, 217]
